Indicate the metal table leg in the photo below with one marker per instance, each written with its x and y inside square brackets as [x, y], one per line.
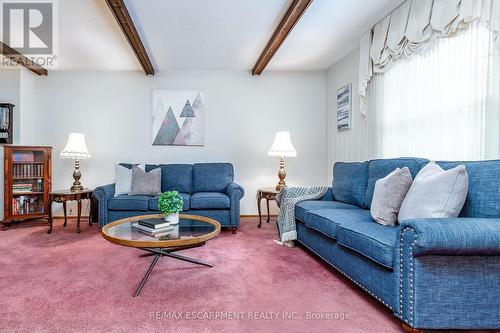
[158, 253]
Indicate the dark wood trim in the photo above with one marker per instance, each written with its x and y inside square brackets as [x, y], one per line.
[21, 59]
[17, 147]
[122, 16]
[289, 20]
[408, 329]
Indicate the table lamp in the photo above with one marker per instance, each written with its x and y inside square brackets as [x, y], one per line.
[282, 147]
[77, 150]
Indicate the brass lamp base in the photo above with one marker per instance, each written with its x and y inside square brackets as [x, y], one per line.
[77, 186]
[281, 175]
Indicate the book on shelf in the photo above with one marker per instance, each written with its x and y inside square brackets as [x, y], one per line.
[27, 170]
[35, 186]
[154, 223]
[26, 205]
[23, 156]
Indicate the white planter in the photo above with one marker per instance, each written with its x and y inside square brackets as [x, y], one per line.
[172, 218]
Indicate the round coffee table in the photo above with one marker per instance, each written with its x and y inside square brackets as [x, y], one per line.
[192, 231]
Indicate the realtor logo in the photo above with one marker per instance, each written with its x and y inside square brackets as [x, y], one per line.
[28, 26]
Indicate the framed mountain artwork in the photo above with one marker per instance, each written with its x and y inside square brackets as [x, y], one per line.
[178, 118]
[344, 104]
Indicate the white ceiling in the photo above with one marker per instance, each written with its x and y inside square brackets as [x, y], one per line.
[212, 34]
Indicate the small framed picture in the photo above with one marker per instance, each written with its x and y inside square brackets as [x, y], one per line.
[344, 108]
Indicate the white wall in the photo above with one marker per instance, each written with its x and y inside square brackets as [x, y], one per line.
[10, 92]
[354, 144]
[113, 109]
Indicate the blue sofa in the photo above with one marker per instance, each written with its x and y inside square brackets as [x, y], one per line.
[432, 273]
[208, 190]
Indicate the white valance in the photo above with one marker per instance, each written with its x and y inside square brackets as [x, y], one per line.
[413, 26]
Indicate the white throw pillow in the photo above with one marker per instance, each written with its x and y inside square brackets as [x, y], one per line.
[388, 196]
[123, 179]
[436, 193]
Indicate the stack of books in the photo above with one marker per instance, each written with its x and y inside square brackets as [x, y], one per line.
[154, 227]
[26, 205]
[22, 187]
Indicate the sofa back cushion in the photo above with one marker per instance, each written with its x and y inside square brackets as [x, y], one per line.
[177, 177]
[483, 197]
[349, 182]
[380, 168]
[212, 177]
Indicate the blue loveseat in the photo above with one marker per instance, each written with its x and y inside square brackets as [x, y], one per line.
[432, 273]
[208, 189]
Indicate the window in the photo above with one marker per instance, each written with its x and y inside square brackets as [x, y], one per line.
[442, 104]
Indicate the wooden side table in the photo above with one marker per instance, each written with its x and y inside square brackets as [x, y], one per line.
[66, 195]
[268, 193]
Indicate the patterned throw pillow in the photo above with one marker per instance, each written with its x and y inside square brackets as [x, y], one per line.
[145, 183]
[436, 193]
[388, 196]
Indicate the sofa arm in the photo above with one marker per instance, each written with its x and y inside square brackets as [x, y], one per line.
[328, 195]
[235, 193]
[102, 194]
[447, 263]
[453, 236]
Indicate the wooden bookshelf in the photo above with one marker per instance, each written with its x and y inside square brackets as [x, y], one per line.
[27, 182]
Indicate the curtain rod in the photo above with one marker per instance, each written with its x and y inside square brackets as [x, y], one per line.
[390, 13]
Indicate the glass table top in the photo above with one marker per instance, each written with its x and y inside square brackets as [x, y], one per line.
[191, 229]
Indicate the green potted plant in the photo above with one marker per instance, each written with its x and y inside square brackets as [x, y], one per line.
[170, 204]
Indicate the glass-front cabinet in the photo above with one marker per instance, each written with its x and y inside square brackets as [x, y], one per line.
[27, 179]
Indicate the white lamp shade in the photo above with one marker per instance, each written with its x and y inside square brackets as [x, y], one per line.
[282, 146]
[76, 147]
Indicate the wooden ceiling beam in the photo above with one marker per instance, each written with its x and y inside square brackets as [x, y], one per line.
[122, 16]
[21, 59]
[289, 20]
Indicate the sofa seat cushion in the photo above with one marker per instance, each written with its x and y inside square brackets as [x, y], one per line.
[372, 240]
[153, 202]
[302, 208]
[326, 221]
[210, 200]
[129, 202]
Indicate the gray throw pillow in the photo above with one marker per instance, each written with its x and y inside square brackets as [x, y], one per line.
[145, 183]
[388, 196]
[436, 193]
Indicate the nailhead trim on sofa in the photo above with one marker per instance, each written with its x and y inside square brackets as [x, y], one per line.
[100, 196]
[412, 274]
[236, 196]
[350, 278]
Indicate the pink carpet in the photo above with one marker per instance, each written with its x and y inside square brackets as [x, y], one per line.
[70, 282]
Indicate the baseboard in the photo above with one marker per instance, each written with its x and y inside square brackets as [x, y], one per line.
[255, 215]
[70, 217]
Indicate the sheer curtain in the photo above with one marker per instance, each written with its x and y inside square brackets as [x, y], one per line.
[443, 104]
